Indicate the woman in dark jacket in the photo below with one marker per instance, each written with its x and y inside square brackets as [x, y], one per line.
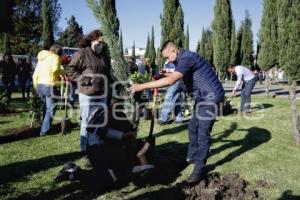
[90, 68]
[9, 70]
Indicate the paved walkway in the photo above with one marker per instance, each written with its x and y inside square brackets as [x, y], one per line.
[278, 90]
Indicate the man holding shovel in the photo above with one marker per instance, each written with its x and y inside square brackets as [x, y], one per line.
[207, 91]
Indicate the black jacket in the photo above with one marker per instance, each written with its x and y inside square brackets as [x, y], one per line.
[8, 70]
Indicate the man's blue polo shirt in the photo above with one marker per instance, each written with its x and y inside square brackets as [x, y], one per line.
[199, 77]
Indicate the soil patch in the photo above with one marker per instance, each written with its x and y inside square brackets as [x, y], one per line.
[217, 187]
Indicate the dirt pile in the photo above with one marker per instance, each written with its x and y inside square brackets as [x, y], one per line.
[216, 187]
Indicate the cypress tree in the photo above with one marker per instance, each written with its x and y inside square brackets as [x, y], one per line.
[268, 52]
[247, 42]
[202, 43]
[159, 59]
[152, 53]
[187, 39]
[109, 27]
[233, 44]
[222, 25]
[133, 57]
[268, 37]
[109, 7]
[172, 22]
[147, 47]
[105, 12]
[198, 47]
[178, 30]
[209, 51]
[121, 41]
[47, 35]
[288, 37]
[237, 49]
[206, 45]
[289, 52]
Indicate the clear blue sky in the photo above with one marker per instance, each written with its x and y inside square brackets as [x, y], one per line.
[137, 16]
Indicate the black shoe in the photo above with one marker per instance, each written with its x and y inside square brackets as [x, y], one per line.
[193, 179]
[68, 172]
[178, 122]
[189, 161]
[160, 122]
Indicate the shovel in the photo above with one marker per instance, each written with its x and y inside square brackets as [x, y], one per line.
[151, 139]
[66, 122]
[149, 146]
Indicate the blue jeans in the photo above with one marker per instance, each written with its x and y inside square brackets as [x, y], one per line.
[89, 105]
[246, 95]
[47, 94]
[172, 99]
[72, 93]
[200, 127]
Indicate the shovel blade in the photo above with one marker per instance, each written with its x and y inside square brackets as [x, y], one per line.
[65, 125]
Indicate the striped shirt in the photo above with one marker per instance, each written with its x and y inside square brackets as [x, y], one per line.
[199, 77]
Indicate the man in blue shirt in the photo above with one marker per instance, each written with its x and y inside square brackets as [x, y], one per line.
[207, 91]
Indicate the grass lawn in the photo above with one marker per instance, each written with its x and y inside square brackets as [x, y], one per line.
[260, 148]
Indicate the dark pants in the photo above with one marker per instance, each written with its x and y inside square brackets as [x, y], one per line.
[200, 127]
[9, 86]
[25, 86]
[246, 95]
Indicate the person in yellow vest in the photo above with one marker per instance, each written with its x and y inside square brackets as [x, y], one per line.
[46, 81]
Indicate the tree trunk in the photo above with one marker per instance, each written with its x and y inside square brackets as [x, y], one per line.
[294, 112]
[6, 44]
[267, 84]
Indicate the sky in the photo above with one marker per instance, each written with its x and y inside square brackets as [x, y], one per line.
[138, 16]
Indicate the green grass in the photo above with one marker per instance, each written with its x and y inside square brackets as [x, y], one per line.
[259, 149]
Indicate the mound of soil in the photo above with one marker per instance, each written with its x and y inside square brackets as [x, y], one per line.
[216, 187]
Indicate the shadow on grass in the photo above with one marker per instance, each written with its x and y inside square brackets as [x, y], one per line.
[19, 170]
[5, 122]
[25, 132]
[262, 106]
[224, 134]
[255, 137]
[286, 92]
[288, 195]
[174, 193]
[172, 131]
[256, 91]
[168, 160]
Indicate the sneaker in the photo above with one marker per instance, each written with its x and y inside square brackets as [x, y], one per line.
[42, 134]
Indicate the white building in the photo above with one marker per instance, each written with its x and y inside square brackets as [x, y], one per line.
[139, 53]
